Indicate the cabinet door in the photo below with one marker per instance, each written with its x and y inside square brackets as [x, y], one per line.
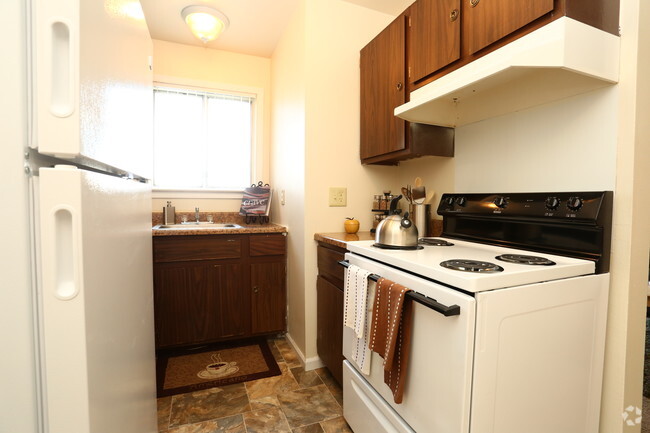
[329, 337]
[485, 22]
[193, 303]
[268, 298]
[434, 36]
[383, 65]
[232, 311]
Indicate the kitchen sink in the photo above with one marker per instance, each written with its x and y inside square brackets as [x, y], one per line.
[197, 226]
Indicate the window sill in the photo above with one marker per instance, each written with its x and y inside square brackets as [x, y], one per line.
[196, 193]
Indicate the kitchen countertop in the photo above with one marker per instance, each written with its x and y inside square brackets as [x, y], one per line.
[246, 229]
[341, 239]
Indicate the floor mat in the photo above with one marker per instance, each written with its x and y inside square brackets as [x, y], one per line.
[188, 370]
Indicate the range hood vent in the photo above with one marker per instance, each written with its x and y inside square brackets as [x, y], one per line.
[562, 59]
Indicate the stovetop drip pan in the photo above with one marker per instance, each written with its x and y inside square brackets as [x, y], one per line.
[465, 265]
[397, 247]
[521, 259]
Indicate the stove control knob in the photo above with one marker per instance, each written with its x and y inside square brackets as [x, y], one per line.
[449, 201]
[461, 201]
[574, 203]
[500, 202]
[552, 203]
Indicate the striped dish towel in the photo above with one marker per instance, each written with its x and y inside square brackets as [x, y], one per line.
[390, 334]
[356, 312]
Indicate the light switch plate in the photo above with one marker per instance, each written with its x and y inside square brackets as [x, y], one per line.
[338, 197]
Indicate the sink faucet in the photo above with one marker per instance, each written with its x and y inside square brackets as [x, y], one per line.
[196, 214]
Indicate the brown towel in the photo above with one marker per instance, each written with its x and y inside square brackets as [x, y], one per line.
[390, 332]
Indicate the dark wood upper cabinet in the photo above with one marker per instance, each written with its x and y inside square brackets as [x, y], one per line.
[482, 26]
[385, 138]
[487, 21]
[383, 67]
[434, 36]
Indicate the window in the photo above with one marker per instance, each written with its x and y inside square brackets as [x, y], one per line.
[202, 140]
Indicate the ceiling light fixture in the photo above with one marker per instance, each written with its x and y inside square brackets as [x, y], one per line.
[204, 22]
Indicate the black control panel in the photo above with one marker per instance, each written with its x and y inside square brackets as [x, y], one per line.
[555, 205]
[574, 224]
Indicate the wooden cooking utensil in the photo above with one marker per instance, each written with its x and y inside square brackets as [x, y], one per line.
[419, 194]
[406, 193]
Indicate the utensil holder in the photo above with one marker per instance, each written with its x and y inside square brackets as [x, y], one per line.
[421, 214]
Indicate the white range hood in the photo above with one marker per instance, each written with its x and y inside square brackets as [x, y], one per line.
[559, 60]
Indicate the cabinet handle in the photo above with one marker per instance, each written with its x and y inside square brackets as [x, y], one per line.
[399, 86]
[453, 16]
[473, 3]
[255, 289]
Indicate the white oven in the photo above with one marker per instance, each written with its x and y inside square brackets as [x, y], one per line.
[521, 351]
[441, 359]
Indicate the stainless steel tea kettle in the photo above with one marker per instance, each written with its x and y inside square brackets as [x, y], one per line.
[395, 231]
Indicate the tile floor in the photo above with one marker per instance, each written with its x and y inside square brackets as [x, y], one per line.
[297, 401]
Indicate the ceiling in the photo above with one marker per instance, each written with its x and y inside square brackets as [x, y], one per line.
[255, 25]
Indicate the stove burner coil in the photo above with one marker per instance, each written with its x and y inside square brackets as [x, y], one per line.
[434, 242]
[525, 260]
[471, 266]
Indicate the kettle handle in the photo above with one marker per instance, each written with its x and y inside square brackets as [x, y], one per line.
[393, 205]
[406, 222]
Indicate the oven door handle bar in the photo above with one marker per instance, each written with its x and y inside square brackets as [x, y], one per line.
[446, 310]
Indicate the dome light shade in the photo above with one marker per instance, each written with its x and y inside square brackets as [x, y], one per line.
[204, 22]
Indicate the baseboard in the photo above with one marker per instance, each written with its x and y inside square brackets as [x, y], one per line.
[313, 363]
[310, 364]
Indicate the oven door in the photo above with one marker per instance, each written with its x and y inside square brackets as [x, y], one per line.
[438, 387]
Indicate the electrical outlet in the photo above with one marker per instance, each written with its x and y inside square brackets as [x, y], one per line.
[282, 198]
[338, 197]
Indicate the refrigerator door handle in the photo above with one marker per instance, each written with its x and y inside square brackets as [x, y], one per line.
[61, 69]
[67, 257]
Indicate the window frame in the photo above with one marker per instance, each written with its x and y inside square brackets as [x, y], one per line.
[257, 147]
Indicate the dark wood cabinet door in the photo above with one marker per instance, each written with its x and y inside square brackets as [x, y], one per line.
[193, 303]
[383, 87]
[487, 21]
[233, 313]
[268, 296]
[329, 338]
[434, 36]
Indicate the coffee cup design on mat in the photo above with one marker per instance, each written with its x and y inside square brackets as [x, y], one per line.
[218, 368]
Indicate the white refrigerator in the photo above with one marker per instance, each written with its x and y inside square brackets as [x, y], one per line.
[76, 306]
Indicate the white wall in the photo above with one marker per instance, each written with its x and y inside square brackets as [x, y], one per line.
[631, 230]
[563, 146]
[17, 369]
[288, 161]
[316, 69]
[437, 174]
[332, 133]
[208, 67]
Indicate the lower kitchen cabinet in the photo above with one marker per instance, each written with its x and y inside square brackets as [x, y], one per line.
[329, 311]
[193, 302]
[329, 340]
[269, 298]
[218, 287]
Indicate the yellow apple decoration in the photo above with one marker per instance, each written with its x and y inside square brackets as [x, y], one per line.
[351, 225]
